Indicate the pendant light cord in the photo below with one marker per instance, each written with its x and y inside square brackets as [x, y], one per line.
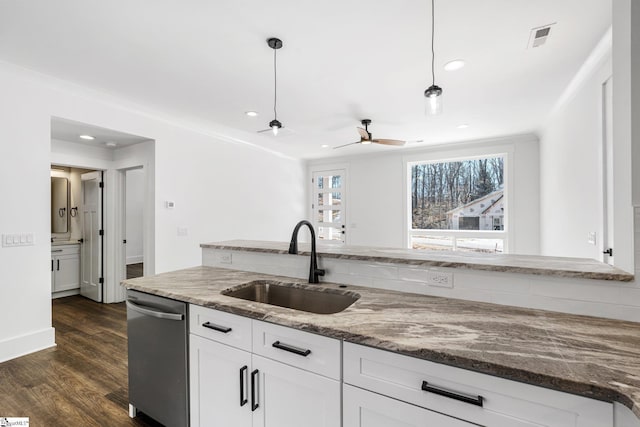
[275, 84]
[433, 52]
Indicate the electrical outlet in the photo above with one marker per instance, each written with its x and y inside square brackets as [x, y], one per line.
[591, 237]
[182, 231]
[224, 258]
[440, 279]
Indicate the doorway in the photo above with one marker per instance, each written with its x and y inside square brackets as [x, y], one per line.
[113, 153]
[134, 187]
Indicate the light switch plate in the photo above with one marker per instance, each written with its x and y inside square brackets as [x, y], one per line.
[18, 239]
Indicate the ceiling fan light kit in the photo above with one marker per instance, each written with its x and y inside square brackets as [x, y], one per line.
[433, 94]
[275, 125]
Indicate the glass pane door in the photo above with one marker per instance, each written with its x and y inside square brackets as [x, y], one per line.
[329, 205]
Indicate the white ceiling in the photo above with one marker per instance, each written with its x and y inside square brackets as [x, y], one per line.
[208, 62]
[68, 130]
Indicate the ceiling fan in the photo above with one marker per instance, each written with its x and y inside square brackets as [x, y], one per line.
[366, 138]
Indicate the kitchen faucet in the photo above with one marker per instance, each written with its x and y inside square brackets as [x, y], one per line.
[314, 271]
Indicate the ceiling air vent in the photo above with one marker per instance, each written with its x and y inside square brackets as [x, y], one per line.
[539, 35]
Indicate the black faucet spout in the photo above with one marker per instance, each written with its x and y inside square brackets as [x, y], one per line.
[314, 271]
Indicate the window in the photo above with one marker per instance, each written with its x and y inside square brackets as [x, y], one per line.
[458, 205]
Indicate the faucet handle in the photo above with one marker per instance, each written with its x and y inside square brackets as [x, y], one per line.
[319, 271]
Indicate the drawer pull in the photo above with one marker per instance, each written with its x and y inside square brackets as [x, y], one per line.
[254, 390]
[243, 379]
[210, 325]
[478, 400]
[292, 349]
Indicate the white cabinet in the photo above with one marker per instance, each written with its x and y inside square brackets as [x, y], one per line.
[65, 268]
[276, 385]
[477, 398]
[219, 384]
[291, 397]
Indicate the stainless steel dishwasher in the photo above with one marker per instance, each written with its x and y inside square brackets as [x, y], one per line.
[158, 356]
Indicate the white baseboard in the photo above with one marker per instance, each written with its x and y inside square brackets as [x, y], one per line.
[62, 294]
[26, 344]
[135, 259]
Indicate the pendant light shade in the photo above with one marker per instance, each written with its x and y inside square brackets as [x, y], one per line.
[433, 94]
[275, 124]
[433, 100]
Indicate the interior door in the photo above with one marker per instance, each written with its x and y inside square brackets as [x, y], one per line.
[91, 252]
[607, 175]
[328, 205]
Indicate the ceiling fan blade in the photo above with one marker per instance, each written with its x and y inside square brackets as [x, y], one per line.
[345, 145]
[363, 133]
[389, 142]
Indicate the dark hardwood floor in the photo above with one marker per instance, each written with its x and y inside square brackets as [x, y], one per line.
[82, 381]
[134, 270]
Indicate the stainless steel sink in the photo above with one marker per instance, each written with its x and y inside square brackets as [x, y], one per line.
[309, 298]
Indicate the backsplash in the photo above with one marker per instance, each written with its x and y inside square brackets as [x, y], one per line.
[610, 299]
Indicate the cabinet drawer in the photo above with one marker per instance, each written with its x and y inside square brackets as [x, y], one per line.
[363, 408]
[65, 250]
[219, 326]
[304, 350]
[504, 403]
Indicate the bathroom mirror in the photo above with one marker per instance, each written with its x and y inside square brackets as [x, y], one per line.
[59, 205]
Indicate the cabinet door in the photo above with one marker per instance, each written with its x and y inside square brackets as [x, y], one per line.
[67, 272]
[290, 397]
[366, 409]
[219, 384]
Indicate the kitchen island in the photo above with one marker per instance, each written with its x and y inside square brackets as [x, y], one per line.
[586, 356]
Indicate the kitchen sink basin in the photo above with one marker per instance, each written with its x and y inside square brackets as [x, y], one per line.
[309, 298]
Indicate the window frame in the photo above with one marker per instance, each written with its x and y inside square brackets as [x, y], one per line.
[461, 154]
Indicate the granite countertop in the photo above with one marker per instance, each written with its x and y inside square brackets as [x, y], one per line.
[64, 242]
[582, 268]
[588, 356]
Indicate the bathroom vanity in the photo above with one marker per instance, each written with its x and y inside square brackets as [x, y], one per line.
[65, 269]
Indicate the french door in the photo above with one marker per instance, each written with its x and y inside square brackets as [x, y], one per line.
[328, 205]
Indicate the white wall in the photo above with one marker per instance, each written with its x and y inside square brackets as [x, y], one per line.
[376, 205]
[135, 190]
[571, 164]
[212, 177]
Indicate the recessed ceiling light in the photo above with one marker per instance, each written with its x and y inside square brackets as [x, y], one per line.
[111, 144]
[251, 113]
[456, 64]
[87, 137]
[463, 126]
[324, 146]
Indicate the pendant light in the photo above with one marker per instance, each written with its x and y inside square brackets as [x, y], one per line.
[433, 94]
[275, 125]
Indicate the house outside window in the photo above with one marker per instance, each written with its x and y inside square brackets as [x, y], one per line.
[458, 204]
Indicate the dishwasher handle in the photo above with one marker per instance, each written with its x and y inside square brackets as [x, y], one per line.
[154, 313]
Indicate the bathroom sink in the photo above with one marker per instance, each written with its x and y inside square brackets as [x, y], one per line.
[309, 298]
